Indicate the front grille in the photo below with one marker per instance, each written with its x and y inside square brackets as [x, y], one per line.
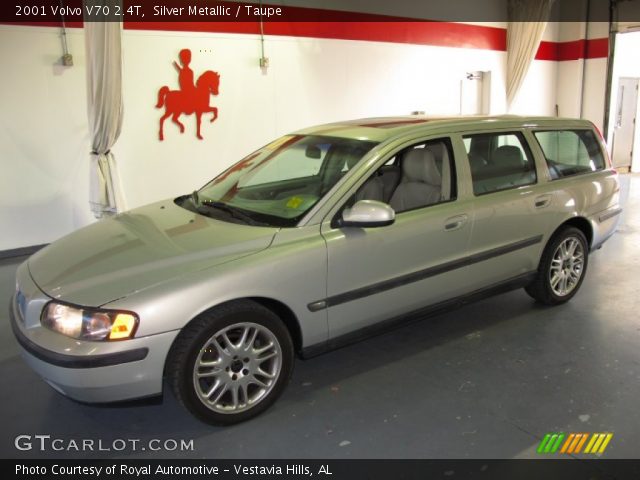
[21, 303]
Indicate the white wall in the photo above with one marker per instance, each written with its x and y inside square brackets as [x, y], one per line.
[538, 92]
[43, 137]
[537, 95]
[310, 81]
[625, 65]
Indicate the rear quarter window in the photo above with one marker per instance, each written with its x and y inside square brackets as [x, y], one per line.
[570, 152]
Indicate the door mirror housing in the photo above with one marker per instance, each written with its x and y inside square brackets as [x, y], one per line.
[367, 213]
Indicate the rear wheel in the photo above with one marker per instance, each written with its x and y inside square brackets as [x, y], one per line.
[562, 268]
[231, 363]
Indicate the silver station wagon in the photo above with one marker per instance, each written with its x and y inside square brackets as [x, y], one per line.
[315, 240]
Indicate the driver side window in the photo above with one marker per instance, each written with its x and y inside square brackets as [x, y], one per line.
[416, 177]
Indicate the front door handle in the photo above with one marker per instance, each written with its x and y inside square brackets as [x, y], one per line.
[456, 222]
[543, 201]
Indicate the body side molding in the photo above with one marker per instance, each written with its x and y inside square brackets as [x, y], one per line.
[421, 274]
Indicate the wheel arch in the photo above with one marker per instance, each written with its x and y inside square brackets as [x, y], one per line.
[189, 342]
[540, 287]
[287, 316]
[581, 224]
[283, 312]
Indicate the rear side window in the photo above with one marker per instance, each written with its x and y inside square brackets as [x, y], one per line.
[499, 161]
[570, 152]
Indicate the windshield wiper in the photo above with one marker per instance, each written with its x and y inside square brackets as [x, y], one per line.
[234, 212]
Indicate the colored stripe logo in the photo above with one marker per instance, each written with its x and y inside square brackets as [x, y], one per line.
[573, 443]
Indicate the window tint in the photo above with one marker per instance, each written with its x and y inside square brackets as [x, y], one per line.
[570, 152]
[416, 177]
[499, 161]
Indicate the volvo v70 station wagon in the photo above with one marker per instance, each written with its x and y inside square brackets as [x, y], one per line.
[311, 242]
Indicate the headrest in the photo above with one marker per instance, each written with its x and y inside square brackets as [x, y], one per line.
[476, 162]
[507, 156]
[438, 149]
[419, 165]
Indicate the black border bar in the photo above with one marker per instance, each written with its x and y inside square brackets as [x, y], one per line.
[569, 469]
[279, 11]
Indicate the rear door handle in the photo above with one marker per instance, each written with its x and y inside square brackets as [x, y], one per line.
[543, 201]
[454, 223]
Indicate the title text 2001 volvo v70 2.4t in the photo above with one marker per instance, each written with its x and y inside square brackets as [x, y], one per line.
[312, 241]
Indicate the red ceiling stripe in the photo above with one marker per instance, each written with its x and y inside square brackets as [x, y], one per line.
[442, 34]
[574, 50]
[208, 27]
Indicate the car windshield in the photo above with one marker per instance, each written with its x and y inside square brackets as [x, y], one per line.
[279, 183]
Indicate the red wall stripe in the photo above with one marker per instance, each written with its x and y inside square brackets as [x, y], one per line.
[548, 51]
[442, 34]
[574, 50]
[592, 48]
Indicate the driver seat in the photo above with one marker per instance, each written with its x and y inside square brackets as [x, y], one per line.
[421, 183]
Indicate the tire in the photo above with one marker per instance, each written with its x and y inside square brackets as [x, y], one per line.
[561, 272]
[245, 359]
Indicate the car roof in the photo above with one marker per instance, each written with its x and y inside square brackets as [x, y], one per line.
[380, 129]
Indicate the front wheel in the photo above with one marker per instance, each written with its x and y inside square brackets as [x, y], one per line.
[231, 363]
[562, 268]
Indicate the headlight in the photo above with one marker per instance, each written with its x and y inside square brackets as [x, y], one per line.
[89, 323]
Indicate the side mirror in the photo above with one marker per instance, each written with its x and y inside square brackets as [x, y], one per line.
[367, 213]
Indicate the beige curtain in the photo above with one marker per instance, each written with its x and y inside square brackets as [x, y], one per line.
[527, 21]
[104, 109]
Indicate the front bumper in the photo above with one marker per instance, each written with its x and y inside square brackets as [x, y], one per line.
[89, 371]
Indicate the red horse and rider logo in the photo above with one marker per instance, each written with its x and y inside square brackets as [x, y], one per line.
[191, 98]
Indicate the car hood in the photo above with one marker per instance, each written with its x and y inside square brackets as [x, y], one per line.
[118, 256]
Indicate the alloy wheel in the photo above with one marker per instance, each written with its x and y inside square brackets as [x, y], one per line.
[237, 367]
[567, 266]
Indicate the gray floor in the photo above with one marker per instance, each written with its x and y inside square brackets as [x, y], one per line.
[485, 381]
